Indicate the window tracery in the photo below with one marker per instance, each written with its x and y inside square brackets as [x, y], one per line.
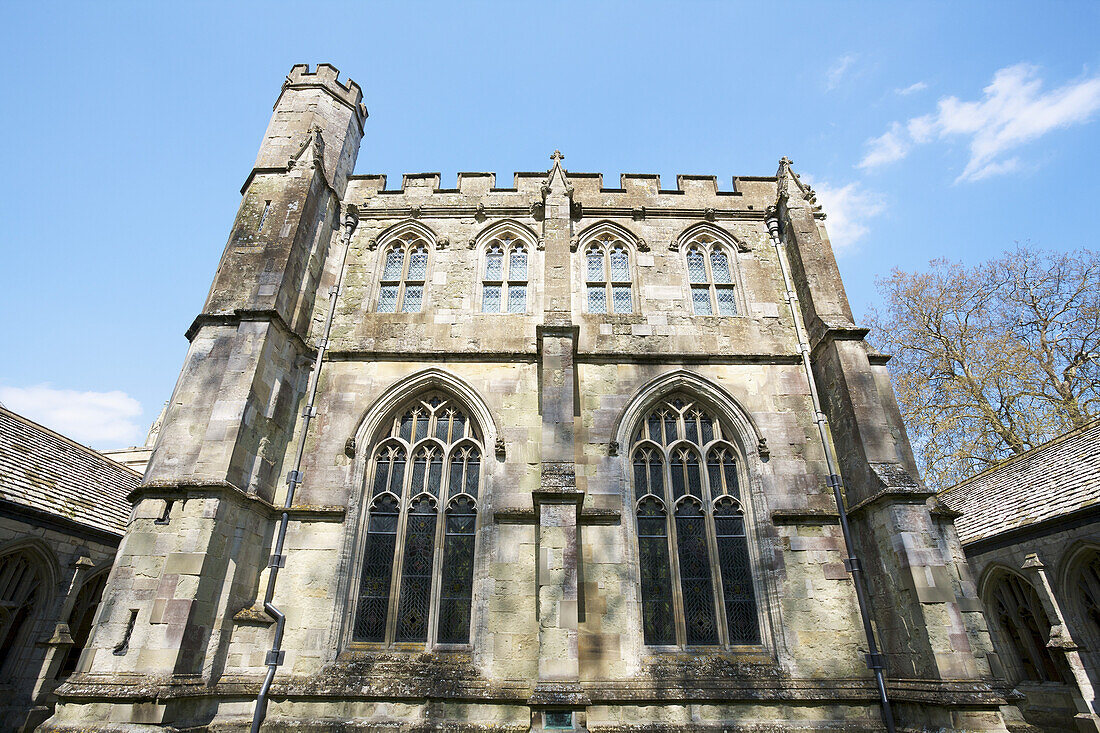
[404, 273]
[608, 287]
[416, 578]
[1087, 582]
[21, 594]
[693, 545]
[710, 276]
[1025, 627]
[505, 275]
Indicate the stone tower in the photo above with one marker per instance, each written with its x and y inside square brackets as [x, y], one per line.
[563, 472]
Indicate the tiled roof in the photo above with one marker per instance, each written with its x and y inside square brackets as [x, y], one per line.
[48, 472]
[1049, 481]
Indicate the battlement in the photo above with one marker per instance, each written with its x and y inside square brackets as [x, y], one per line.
[584, 184]
[327, 77]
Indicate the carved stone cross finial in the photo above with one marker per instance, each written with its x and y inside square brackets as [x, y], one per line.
[785, 161]
[557, 157]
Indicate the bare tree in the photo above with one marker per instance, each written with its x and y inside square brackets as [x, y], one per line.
[992, 360]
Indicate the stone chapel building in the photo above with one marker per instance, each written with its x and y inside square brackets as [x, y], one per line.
[544, 453]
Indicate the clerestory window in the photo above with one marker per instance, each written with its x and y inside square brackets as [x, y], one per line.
[607, 275]
[424, 486]
[404, 272]
[696, 576]
[710, 276]
[504, 276]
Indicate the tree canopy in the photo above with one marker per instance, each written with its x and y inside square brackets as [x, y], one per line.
[991, 360]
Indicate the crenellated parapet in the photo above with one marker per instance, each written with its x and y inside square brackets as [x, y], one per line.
[327, 77]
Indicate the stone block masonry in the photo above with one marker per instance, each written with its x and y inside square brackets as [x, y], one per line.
[564, 471]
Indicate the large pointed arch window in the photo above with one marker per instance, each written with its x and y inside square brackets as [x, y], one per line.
[22, 593]
[607, 276]
[416, 577]
[710, 275]
[404, 272]
[1025, 627]
[504, 275]
[696, 576]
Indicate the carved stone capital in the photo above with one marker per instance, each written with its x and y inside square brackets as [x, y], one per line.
[643, 246]
[372, 244]
[762, 449]
[574, 243]
[499, 448]
[442, 242]
[613, 448]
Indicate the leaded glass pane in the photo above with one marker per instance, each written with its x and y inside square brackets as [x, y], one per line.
[494, 264]
[456, 587]
[458, 427]
[413, 295]
[420, 466]
[720, 267]
[737, 590]
[517, 264]
[707, 427]
[374, 581]
[395, 259]
[700, 301]
[697, 267]
[729, 466]
[387, 299]
[656, 476]
[714, 474]
[406, 428]
[435, 473]
[473, 472]
[594, 259]
[418, 263]
[620, 264]
[455, 482]
[695, 579]
[397, 473]
[381, 472]
[672, 432]
[657, 619]
[727, 303]
[677, 466]
[517, 298]
[442, 423]
[654, 423]
[490, 300]
[597, 299]
[641, 483]
[694, 480]
[691, 425]
[621, 297]
[416, 573]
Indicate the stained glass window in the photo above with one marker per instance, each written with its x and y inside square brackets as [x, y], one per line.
[607, 275]
[710, 277]
[416, 513]
[716, 603]
[404, 273]
[504, 286]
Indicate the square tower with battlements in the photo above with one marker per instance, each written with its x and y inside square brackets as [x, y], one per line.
[540, 453]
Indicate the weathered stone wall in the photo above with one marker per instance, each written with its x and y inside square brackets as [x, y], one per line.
[557, 393]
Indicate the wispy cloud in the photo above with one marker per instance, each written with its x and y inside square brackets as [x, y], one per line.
[919, 86]
[836, 72]
[848, 208]
[1014, 110]
[100, 419]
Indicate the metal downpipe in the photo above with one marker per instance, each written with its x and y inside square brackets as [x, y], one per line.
[875, 659]
[276, 654]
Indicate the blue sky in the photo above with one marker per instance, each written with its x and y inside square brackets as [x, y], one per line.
[929, 130]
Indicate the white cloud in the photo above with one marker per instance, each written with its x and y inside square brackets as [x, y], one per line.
[99, 419]
[847, 208]
[919, 86]
[888, 147]
[1014, 110]
[837, 71]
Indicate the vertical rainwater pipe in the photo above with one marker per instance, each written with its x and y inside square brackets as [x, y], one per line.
[294, 477]
[875, 659]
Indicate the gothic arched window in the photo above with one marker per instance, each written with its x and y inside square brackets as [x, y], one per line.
[80, 621]
[1086, 582]
[416, 579]
[710, 274]
[21, 595]
[1024, 626]
[607, 275]
[504, 275]
[696, 576]
[404, 272]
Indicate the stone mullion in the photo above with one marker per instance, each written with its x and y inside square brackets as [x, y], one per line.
[678, 613]
[404, 501]
[437, 564]
[712, 550]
